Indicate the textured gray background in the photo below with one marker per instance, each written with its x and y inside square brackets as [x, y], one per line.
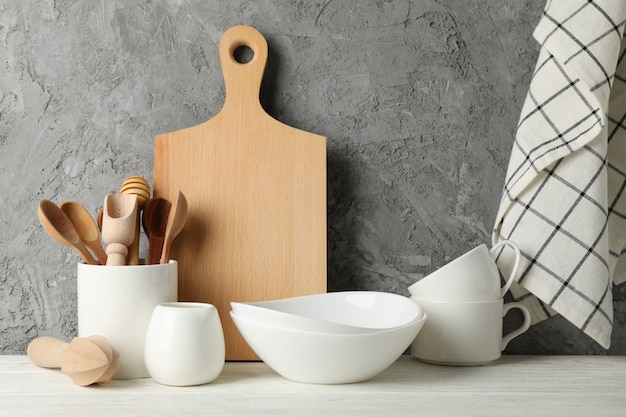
[419, 101]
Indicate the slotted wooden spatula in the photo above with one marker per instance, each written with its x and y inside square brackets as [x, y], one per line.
[256, 193]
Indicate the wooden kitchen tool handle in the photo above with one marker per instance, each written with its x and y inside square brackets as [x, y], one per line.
[83, 353]
[242, 80]
[47, 352]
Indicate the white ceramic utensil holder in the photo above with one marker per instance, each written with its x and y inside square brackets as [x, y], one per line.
[117, 302]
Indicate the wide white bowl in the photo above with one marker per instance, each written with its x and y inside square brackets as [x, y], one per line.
[292, 321]
[326, 358]
[336, 312]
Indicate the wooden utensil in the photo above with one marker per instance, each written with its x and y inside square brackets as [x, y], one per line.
[61, 229]
[99, 218]
[154, 221]
[136, 181]
[139, 186]
[86, 227]
[119, 224]
[257, 198]
[86, 360]
[175, 222]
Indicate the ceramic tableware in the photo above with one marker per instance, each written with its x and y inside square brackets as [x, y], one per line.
[326, 358]
[351, 311]
[473, 276]
[294, 321]
[117, 303]
[184, 344]
[464, 333]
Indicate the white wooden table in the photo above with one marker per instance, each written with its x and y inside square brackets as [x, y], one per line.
[513, 386]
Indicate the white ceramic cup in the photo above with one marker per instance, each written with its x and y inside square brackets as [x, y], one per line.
[464, 333]
[117, 302]
[185, 344]
[473, 276]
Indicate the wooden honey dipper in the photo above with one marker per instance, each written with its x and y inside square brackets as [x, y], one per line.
[139, 186]
[87, 360]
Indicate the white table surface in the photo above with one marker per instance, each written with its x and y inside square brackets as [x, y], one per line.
[592, 386]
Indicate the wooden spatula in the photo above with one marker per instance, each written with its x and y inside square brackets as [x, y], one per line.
[256, 192]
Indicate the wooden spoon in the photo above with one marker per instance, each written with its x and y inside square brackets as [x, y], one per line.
[119, 222]
[155, 217]
[139, 186]
[86, 227]
[99, 219]
[61, 229]
[86, 360]
[175, 223]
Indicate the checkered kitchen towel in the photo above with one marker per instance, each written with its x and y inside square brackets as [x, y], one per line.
[564, 199]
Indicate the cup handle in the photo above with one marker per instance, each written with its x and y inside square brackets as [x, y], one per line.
[509, 281]
[506, 339]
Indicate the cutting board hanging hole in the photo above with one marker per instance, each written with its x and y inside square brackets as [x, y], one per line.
[243, 54]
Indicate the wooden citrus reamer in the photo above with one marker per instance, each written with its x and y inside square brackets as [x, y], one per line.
[87, 360]
[256, 190]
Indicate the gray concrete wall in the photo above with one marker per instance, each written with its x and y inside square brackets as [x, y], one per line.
[419, 101]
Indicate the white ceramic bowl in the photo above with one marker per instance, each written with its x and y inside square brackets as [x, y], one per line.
[326, 358]
[336, 312]
[281, 319]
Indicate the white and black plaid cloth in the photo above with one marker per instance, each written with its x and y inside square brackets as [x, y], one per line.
[563, 201]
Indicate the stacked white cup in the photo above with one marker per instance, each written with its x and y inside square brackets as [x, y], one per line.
[464, 302]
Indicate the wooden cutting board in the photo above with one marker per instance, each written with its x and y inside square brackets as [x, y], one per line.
[256, 190]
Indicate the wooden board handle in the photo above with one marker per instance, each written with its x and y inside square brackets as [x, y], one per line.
[242, 80]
